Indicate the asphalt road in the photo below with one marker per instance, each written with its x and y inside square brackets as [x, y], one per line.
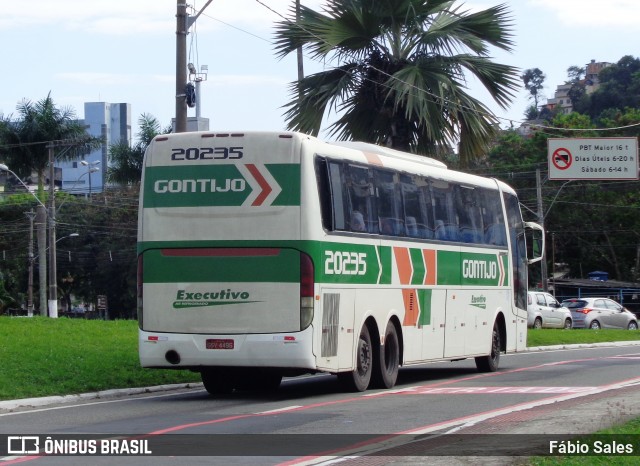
[447, 413]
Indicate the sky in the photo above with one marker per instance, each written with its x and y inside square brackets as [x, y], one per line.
[123, 51]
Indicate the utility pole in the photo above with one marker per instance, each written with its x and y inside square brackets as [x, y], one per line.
[181, 67]
[183, 23]
[31, 215]
[53, 281]
[41, 222]
[543, 262]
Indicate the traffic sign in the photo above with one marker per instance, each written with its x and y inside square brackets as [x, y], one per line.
[593, 158]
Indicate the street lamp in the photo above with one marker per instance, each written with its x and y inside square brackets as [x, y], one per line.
[91, 169]
[3, 167]
[72, 235]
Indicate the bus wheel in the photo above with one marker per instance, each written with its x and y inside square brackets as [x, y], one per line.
[358, 379]
[490, 363]
[218, 381]
[388, 361]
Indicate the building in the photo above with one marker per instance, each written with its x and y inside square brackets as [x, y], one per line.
[592, 75]
[112, 122]
[561, 100]
[591, 81]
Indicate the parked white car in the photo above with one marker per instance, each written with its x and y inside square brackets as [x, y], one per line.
[544, 311]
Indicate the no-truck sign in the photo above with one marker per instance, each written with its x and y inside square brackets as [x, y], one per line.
[561, 158]
[593, 158]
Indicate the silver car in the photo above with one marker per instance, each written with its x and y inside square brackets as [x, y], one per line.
[597, 313]
[544, 311]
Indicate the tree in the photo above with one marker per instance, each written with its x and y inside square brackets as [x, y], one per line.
[533, 80]
[575, 73]
[126, 162]
[400, 78]
[40, 125]
[619, 87]
[577, 93]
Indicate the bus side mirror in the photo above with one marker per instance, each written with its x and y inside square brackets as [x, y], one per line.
[535, 242]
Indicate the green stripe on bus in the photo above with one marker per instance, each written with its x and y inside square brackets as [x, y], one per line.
[467, 268]
[505, 267]
[160, 267]
[217, 185]
[424, 296]
[386, 262]
[334, 262]
[419, 270]
[287, 175]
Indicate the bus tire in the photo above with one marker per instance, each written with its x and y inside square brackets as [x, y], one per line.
[388, 360]
[491, 362]
[218, 381]
[358, 379]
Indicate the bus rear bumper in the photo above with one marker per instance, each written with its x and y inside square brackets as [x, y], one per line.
[194, 351]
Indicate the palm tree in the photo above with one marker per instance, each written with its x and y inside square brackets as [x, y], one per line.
[126, 162]
[28, 138]
[401, 73]
[39, 125]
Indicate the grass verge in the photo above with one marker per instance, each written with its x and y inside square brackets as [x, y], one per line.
[42, 357]
[549, 337]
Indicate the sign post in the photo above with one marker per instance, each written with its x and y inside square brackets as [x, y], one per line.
[593, 158]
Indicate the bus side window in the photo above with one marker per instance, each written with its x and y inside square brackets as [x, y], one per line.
[417, 206]
[469, 218]
[494, 228]
[389, 203]
[324, 193]
[360, 191]
[338, 200]
[446, 223]
[518, 249]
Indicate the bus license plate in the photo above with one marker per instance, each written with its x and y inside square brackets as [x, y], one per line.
[217, 343]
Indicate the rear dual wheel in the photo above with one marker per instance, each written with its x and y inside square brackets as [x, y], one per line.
[358, 379]
[375, 364]
[388, 361]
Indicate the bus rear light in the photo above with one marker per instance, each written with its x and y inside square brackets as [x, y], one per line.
[307, 285]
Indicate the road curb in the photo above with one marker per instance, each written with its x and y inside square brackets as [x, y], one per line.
[9, 405]
[582, 345]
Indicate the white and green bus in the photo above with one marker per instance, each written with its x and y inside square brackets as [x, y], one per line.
[271, 254]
